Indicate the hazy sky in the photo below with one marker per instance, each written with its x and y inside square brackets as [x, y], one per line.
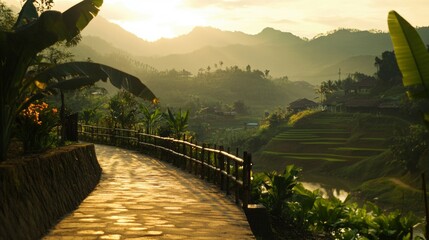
[154, 19]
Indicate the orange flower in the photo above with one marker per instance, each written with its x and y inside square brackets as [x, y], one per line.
[33, 111]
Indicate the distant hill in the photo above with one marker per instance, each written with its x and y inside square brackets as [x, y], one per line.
[284, 54]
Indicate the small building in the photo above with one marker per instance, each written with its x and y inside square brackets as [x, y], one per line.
[301, 104]
[362, 87]
[360, 104]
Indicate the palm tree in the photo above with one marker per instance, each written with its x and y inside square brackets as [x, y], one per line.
[339, 84]
[322, 92]
[267, 73]
[330, 86]
[18, 48]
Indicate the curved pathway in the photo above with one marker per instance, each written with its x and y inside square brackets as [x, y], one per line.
[139, 197]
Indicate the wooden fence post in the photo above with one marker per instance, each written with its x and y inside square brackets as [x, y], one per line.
[97, 133]
[246, 178]
[237, 189]
[138, 145]
[228, 173]
[191, 155]
[195, 158]
[112, 136]
[209, 170]
[221, 162]
[202, 161]
[215, 164]
[184, 160]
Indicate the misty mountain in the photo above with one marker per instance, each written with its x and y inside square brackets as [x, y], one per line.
[284, 54]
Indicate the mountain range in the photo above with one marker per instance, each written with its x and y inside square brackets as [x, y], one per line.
[329, 56]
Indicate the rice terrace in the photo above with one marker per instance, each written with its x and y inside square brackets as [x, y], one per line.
[324, 139]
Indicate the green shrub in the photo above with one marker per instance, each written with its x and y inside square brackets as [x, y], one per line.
[290, 204]
[409, 145]
[300, 115]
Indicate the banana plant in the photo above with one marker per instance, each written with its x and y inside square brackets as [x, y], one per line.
[279, 189]
[177, 122]
[151, 117]
[412, 57]
[73, 75]
[18, 48]
[413, 61]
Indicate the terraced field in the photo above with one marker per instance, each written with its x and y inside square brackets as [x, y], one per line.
[345, 152]
[323, 141]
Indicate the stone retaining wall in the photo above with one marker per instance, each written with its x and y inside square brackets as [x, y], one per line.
[37, 191]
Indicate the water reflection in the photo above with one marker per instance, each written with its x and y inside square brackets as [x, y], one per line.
[327, 192]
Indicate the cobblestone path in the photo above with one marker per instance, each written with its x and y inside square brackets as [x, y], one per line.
[141, 198]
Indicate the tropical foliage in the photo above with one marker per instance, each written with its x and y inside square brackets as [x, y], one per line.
[288, 202]
[123, 110]
[178, 122]
[408, 145]
[388, 70]
[152, 116]
[19, 48]
[412, 57]
[45, 71]
[300, 115]
[73, 75]
[35, 125]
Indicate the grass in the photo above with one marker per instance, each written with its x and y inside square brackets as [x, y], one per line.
[386, 191]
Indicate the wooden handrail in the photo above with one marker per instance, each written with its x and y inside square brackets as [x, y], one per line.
[230, 172]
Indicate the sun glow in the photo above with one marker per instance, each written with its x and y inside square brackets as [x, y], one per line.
[155, 19]
[152, 20]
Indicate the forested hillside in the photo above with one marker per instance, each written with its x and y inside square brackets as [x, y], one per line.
[284, 54]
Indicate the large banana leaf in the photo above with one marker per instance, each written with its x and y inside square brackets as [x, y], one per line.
[54, 26]
[412, 58]
[411, 54]
[74, 75]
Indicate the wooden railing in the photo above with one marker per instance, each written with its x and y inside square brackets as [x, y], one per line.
[230, 172]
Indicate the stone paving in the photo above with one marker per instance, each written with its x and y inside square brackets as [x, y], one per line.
[142, 198]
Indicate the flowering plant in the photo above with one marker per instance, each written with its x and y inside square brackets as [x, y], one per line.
[35, 126]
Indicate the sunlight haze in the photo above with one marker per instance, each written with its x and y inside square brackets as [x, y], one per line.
[152, 20]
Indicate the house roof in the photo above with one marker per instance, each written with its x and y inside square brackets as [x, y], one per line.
[362, 102]
[365, 83]
[302, 103]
